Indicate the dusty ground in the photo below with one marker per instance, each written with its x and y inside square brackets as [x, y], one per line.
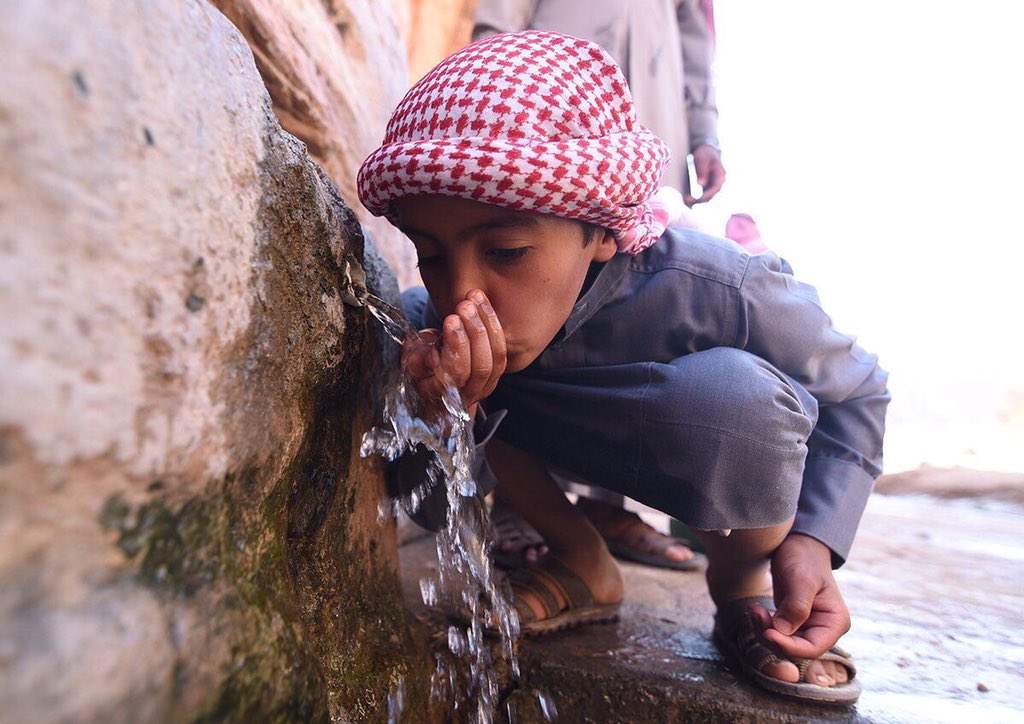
[954, 483]
[936, 589]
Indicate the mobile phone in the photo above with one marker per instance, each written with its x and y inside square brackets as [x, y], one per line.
[696, 190]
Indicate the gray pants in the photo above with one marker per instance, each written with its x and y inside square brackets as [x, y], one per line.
[716, 439]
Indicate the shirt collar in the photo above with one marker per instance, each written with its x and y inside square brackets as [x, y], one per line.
[607, 281]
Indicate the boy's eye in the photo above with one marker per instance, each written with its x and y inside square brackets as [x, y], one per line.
[506, 256]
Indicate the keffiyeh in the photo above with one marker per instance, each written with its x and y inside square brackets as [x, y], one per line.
[533, 121]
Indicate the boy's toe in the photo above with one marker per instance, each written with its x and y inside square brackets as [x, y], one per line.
[782, 670]
[826, 673]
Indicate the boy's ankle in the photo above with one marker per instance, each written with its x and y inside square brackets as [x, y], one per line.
[733, 585]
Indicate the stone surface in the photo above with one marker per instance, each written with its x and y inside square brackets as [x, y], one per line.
[335, 70]
[934, 590]
[187, 531]
[955, 482]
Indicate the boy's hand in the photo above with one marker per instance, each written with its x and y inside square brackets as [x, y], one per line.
[811, 615]
[469, 352]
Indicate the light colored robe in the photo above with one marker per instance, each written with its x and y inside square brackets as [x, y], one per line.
[664, 47]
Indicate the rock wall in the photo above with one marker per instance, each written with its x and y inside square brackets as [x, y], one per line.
[187, 531]
[335, 70]
[434, 29]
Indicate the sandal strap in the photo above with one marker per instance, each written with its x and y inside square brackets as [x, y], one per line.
[652, 541]
[732, 616]
[544, 580]
[576, 591]
[835, 654]
[733, 624]
[629, 529]
[735, 627]
[525, 580]
[509, 525]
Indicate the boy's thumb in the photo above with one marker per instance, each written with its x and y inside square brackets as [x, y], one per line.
[793, 612]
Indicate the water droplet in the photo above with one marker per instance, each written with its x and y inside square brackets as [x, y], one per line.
[547, 705]
[428, 591]
[396, 701]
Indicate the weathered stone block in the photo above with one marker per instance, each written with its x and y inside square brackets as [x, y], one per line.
[187, 531]
[335, 70]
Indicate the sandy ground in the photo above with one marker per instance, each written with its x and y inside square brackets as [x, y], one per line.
[954, 483]
[936, 589]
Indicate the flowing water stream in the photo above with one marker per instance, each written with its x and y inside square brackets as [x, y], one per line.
[467, 676]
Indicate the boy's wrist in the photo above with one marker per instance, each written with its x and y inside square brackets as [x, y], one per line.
[808, 546]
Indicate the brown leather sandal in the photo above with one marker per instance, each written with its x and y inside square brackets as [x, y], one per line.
[629, 538]
[543, 580]
[737, 637]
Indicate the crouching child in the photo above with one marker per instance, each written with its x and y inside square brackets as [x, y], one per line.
[661, 364]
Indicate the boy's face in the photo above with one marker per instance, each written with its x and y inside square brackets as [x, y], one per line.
[531, 266]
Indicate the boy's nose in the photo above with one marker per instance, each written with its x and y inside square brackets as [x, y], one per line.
[463, 281]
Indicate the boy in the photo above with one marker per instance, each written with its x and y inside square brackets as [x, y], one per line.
[663, 365]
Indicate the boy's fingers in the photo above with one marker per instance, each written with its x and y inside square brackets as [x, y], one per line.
[810, 643]
[496, 336]
[429, 337]
[455, 352]
[761, 617]
[420, 356]
[713, 185]
[421, 363]
[794, 609]
[479, 350]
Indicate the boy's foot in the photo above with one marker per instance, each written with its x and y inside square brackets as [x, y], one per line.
[631, 539]
[551, 596]
[516, 542]
[828, 679]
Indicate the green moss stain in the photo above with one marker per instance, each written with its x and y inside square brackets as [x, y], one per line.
[314, 621]
[171, 547]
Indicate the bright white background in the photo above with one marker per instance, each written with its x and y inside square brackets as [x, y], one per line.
[879, 146]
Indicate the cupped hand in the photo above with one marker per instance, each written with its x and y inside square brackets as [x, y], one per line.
[468, 352]
[811, 615]
[707, 162]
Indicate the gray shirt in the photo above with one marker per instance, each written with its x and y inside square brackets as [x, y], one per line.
[691, 292]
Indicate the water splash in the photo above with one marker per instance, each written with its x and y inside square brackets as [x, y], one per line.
[547, 705]
[465, 572]
[530, 706]
[396, 701]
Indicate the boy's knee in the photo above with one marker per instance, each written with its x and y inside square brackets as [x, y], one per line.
[733, 390]
[737, 430]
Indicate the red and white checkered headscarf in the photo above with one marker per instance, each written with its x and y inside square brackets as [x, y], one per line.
[532, 121]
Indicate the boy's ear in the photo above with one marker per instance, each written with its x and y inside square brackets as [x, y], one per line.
[606, 246]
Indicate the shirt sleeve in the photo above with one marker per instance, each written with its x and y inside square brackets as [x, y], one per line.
[781, 321]
[697, 46]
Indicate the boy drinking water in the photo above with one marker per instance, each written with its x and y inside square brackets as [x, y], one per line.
[661, 364]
